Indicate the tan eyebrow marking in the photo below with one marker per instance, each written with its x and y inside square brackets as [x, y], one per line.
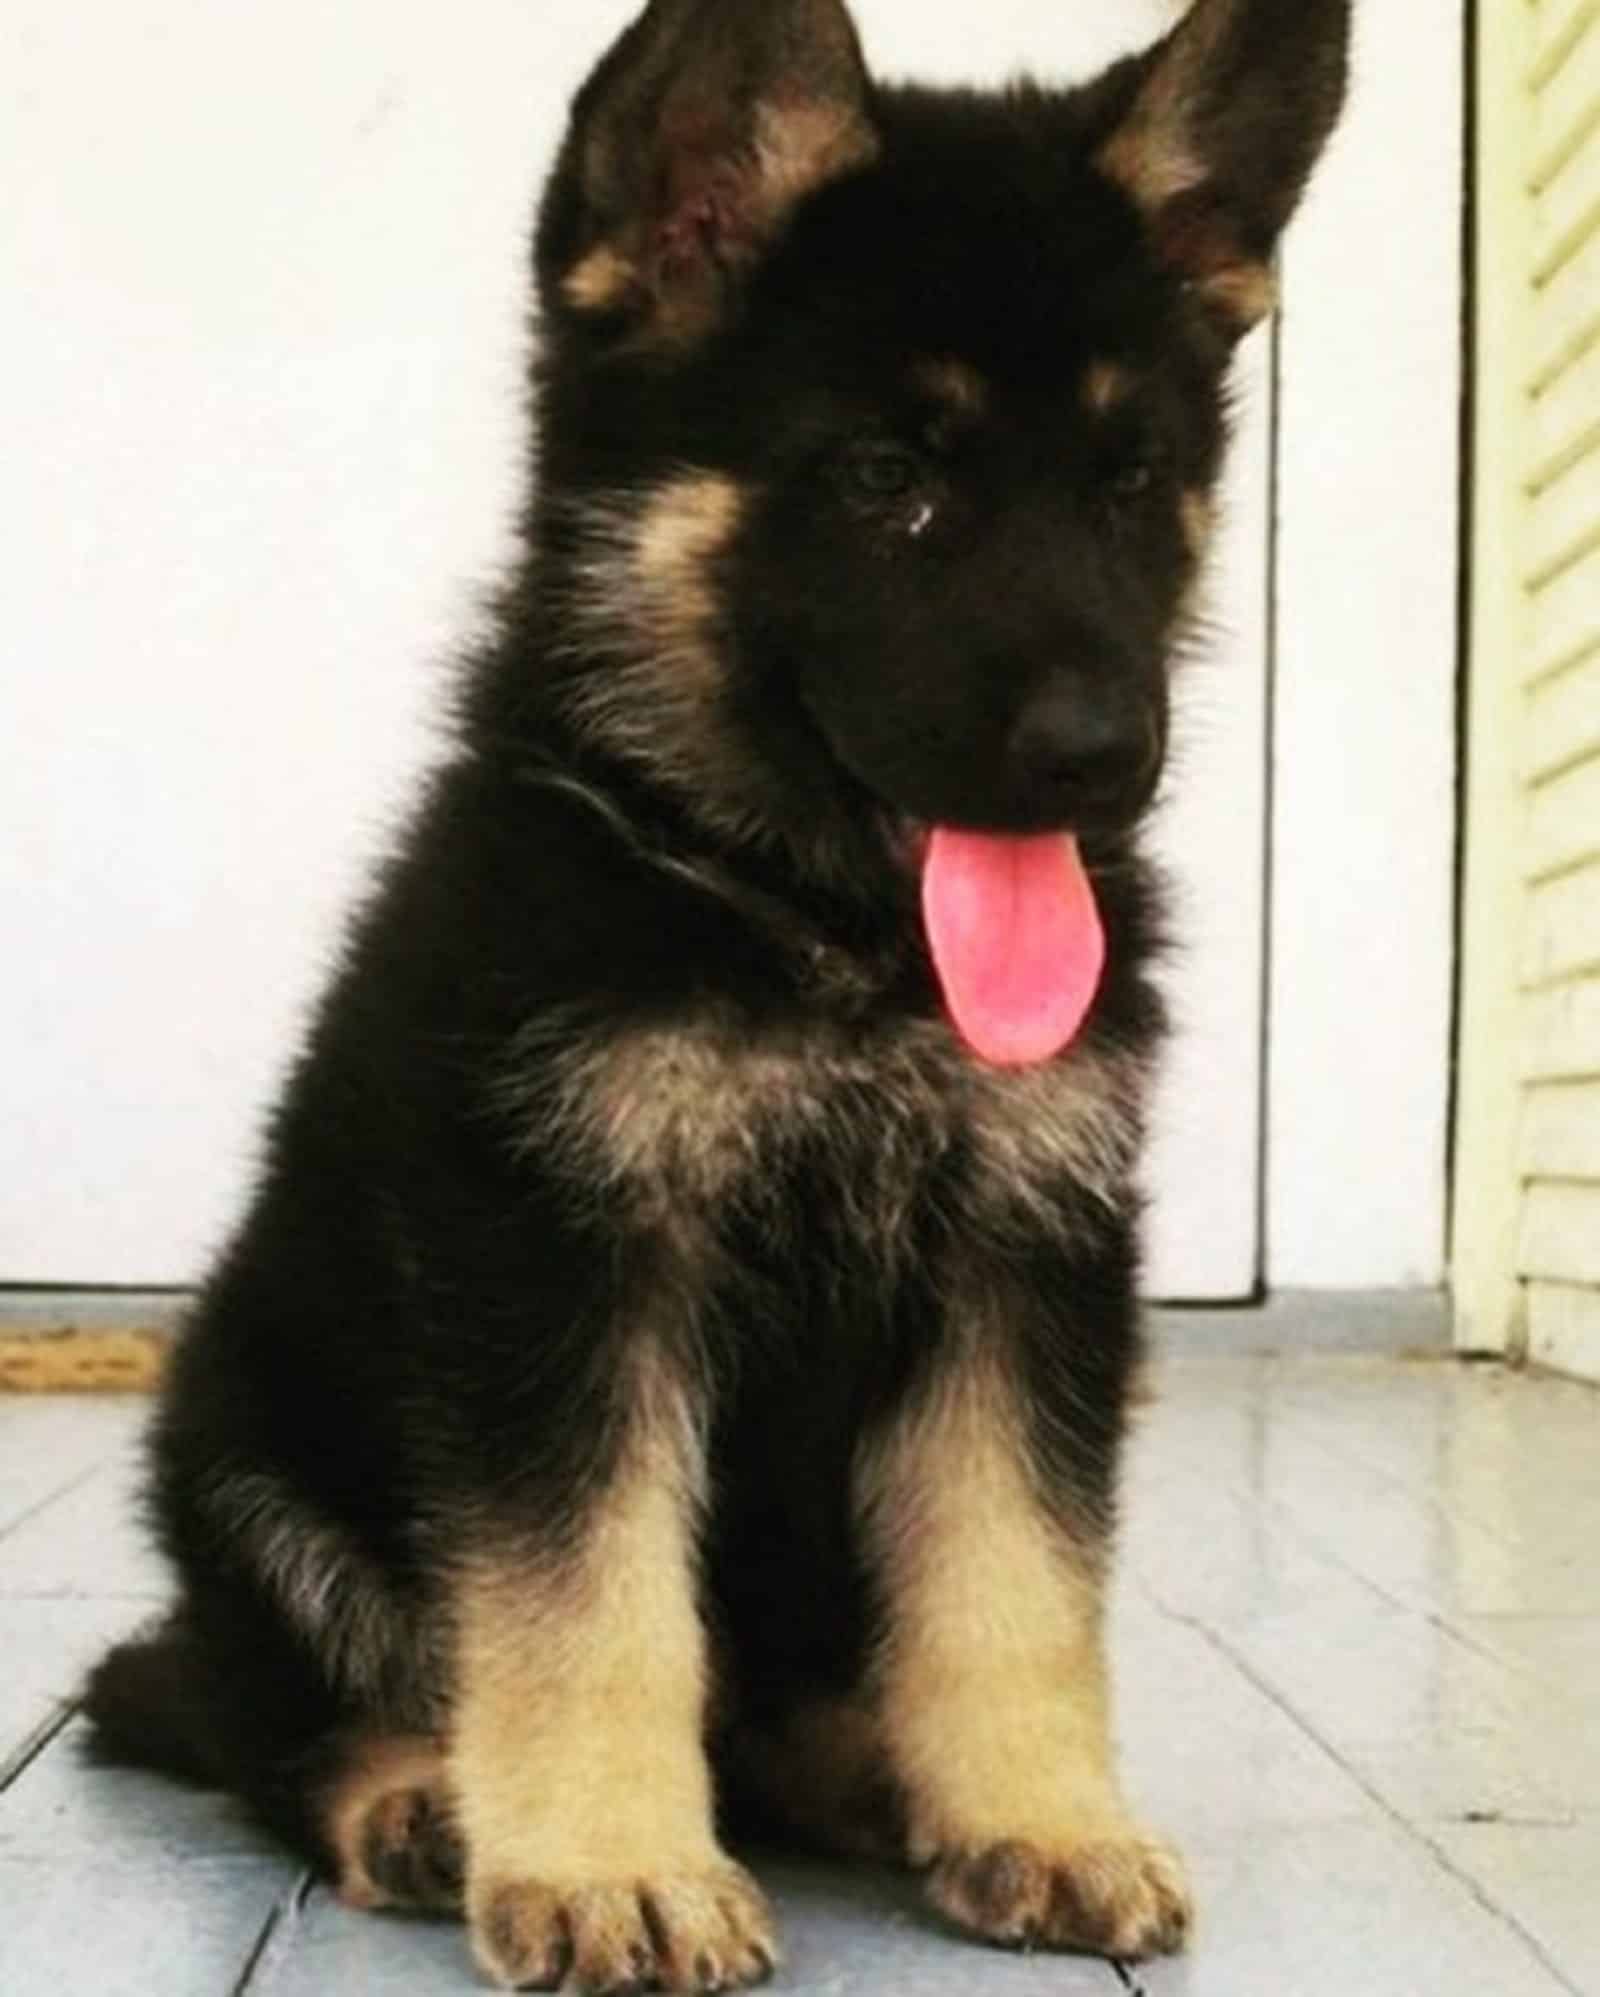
[961, 388]
[1104, 386]
[601, 281]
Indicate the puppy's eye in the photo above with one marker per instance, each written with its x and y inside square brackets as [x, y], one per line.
[884, 470]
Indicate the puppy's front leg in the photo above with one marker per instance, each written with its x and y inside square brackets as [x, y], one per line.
[992, 1682]
[578, 1762]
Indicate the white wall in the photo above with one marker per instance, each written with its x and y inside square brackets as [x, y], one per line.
[260, 362]
[1362, 935]
[263, 322]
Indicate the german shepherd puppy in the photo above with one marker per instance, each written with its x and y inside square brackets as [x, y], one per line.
[676, 1354]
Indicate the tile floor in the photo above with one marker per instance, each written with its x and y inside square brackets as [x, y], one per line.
[1358, 1642]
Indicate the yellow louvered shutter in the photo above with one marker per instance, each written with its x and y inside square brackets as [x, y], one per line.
[1527, 1236]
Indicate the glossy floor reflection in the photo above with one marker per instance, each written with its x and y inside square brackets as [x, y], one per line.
[1358, 1645]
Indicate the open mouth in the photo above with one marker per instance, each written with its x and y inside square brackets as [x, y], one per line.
[1016, 939]
[1013, 929]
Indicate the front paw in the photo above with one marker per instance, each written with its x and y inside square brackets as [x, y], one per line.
[694, 1930]
[1107, 1890]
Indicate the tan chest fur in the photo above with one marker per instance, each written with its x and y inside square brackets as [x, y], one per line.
[688, 1119]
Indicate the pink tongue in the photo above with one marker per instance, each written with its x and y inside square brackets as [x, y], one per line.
[1016, 940]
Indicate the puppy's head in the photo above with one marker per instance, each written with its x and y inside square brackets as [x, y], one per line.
[882, 425]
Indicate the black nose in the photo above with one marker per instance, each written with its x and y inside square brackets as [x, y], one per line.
[1085, 753]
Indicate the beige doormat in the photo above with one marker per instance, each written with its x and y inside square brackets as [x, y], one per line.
[86, 1341]
[82, 1362]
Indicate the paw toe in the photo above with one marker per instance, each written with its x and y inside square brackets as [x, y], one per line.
[697, 1932]
[1108, 1893]
[411, 1852]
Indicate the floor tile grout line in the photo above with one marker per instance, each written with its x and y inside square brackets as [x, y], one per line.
[1550, 1685]
[17, 1764]
[65, 1490]
[1439, 1854]
[1417, 1493]
[1310, 1541]
[246, 1978]
[1557, 1616]
[1277, 1513]
[1410, 1604]
[275, 1939]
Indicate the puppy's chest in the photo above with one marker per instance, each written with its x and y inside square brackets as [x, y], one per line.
[701, 1118]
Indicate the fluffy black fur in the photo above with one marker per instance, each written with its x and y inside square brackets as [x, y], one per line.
[914, 612]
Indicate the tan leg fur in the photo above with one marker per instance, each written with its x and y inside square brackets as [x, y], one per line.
[579, 1762]
[993, 1693]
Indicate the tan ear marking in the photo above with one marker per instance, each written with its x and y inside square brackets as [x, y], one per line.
[695, 142]
[801, 147]
[1150, 162]
[1151, 153]
[1244, 293]
[1226, 119]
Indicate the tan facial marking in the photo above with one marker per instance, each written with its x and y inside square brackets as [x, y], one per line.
[644, 638]
[1198, 516]
[602, 281]
[646, 589]
[959, 388]
[685, 526]
[672, 601]
[1104, 386]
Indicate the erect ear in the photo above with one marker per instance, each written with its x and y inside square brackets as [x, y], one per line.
[690, 147]
[1228, 118]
